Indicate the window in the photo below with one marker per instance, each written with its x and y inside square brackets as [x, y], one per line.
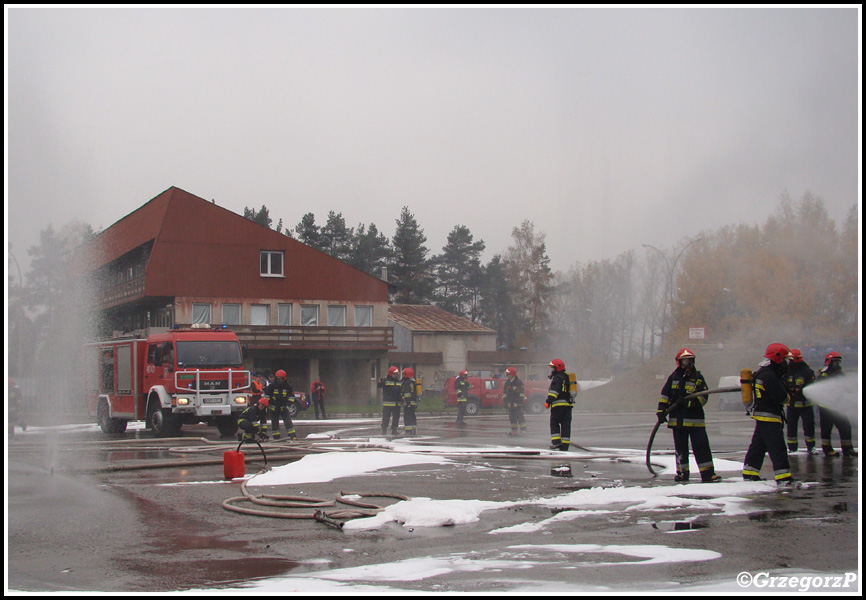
[336, 316]
[259, 314]
[363, 316]
[201, 313]
[232, 314]
[284, 318]
[309, 315]
[271, 263]
[284, 315]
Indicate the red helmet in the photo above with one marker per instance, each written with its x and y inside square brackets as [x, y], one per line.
[777, 352]
[684, 353]
[263, 402]
[557, 365]
[463, 373]
[796, 355]
[280, 373]
[511, 371]
[392, 371]
[407, 372]
[831, 356]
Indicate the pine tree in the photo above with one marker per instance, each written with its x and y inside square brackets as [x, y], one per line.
[335, 238]
[262, 216]
[308, 232]
[497, 310]
[410, 267]
[458, 273]
[371, 250]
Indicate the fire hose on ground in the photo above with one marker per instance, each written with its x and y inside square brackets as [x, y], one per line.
[362, 509]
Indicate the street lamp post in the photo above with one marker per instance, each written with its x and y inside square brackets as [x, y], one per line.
[669, 285]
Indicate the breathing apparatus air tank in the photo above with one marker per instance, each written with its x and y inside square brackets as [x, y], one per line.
[746, 381]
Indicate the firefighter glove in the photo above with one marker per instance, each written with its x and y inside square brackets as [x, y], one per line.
[661, 416]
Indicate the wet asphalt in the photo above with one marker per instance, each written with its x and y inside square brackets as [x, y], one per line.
[87, 512]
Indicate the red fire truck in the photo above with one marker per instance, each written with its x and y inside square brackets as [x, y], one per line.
[487, 392]
[180, 376]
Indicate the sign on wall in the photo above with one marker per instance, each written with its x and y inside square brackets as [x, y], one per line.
[697, 333]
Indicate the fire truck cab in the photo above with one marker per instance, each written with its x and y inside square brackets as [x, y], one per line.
[168, 379]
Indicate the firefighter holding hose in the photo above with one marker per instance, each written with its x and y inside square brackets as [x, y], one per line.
[686, 418]
[770, 397]
[832, 418]
[560, 403]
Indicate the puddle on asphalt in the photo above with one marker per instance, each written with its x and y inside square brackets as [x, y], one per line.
[190, 574]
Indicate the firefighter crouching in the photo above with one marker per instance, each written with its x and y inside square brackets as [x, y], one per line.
[560, 402]
[253, 421]
[409, 393]
[279, 394]
[770, 397]
[514, 397]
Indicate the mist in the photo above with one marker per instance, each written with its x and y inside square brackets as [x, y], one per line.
[837, 393]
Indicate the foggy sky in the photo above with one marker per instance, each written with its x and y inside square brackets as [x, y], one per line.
[608, 128]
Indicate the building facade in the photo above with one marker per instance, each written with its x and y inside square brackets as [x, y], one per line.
[180, 259]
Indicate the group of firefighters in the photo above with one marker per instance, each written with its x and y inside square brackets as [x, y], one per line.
[272, 401]
[403, 392]
[778, 383]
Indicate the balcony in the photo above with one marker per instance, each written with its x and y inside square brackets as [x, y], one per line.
[122, 292]
[315, 338]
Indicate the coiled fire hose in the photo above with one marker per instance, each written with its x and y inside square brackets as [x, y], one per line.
[362, 509]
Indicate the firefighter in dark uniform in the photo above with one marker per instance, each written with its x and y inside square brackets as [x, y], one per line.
[253, 421]
[279, 394]
[461, 387]
[770, 397]
[409, 395]
[799, 376]
[686, 420]
[831, 418]
[514, 397]
[390, 401]
[560, 402]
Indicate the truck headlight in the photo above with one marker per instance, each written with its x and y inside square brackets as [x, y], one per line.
[182, 401]
[240, 399]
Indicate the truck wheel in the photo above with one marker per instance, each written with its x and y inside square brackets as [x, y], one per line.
[535, 406]
[293, 409]
[473, 405]
[227, 426]
[106, 423]
[161, 421]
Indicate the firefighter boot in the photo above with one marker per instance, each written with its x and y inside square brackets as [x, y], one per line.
[682, 477]
[711, 478]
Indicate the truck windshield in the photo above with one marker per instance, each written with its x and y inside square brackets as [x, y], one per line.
[208, 354]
